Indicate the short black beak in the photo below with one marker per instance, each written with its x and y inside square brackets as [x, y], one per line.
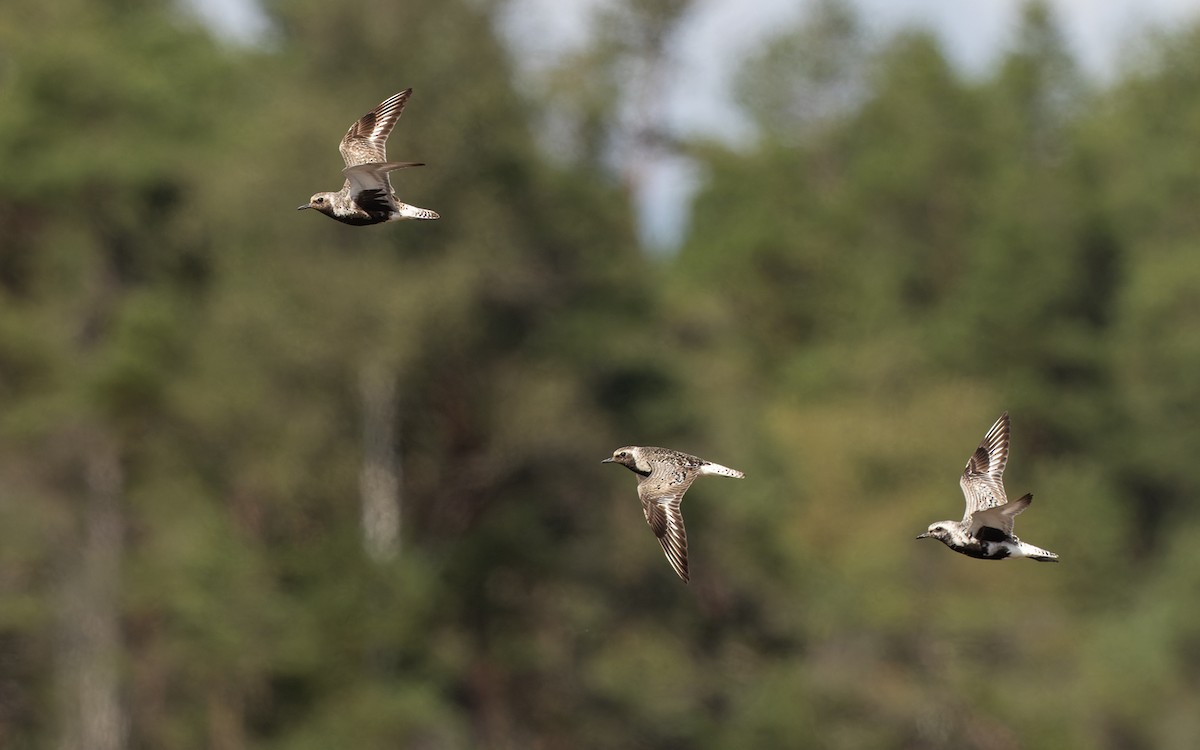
[607, 460]
[301, 208]
[923, 536]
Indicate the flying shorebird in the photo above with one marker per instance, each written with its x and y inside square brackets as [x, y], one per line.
[986, 530]
[367, 196]
[663, 476]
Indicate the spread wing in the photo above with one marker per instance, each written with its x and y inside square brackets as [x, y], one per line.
[366, 140]
[374, 175]
[661, 494]
[985, 523]
[982, 480]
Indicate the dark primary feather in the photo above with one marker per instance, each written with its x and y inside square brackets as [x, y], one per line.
[666, 521]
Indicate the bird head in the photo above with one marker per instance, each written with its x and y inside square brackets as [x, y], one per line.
[321, 202]
[630, 457]
[939, 530]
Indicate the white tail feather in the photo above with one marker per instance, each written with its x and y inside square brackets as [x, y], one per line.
[1037, 553]
[405, 211]
[710, 468]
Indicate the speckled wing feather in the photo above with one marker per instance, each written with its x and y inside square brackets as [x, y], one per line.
[366, 140]
[982, 480]
[661, 494]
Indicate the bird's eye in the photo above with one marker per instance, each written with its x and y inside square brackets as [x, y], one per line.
[622, 454]
[319, 200]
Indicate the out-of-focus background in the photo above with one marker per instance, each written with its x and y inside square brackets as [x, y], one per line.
[268, 481]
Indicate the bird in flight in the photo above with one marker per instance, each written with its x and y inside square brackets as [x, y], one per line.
[986, 530]
[663, 476]
[367, 196]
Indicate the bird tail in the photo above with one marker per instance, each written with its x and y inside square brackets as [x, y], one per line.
[708, 467]
[405, 211]
[1037, 553]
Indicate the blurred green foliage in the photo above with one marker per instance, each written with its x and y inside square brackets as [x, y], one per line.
[901, 254]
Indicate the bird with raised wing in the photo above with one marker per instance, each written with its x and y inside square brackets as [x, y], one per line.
[986, 529]
[663, 476]
[367, 196]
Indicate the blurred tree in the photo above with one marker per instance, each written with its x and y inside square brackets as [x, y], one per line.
[933, 248]
[510, 332]
[1142, 150]
[211, 404]
[850, 224]
[806, 77]
[1042, 261]
[606, 102]
[102, 264]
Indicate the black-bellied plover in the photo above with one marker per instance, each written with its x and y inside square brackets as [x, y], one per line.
[663, 476]
[986, 530]
[367, 196]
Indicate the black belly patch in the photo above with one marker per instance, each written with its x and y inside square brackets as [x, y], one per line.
[983, 550]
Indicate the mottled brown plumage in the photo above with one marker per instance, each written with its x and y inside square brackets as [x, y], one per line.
[367, 196]
[664, 475]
